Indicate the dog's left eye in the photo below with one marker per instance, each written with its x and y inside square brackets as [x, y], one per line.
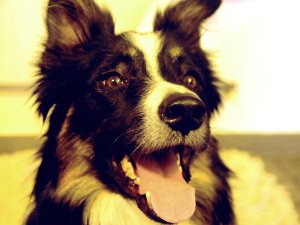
[112, 80]
[191, 82]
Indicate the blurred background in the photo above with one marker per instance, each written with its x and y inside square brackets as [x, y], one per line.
[253, 45]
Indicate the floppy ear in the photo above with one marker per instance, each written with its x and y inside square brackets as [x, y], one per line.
[185, 17]
[74, 22]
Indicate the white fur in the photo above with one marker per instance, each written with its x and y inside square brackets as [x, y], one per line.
[107, 208]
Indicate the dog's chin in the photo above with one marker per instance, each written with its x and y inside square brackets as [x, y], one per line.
[158, 182]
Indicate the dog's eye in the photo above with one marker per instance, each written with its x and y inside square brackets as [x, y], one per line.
[191, 82]
[112, 80]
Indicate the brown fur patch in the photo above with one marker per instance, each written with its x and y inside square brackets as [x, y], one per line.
[77, 179]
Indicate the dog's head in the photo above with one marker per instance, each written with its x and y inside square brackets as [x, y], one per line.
[141, 100]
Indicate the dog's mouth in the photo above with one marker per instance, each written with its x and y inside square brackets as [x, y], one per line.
[159, 183]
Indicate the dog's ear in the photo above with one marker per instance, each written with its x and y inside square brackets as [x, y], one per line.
[70, 24]
[184, 18]
[74, 22]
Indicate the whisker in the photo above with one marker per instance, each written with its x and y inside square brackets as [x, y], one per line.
[127, 132]
[223, 131]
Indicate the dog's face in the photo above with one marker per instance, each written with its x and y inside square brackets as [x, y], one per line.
[142, 101]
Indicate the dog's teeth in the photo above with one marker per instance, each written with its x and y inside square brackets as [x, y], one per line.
[128, 168]
[178, 159]
[180, 169]
[148, 196]
[137, 181]
[178, 162]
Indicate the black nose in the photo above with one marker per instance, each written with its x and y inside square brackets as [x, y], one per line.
[182, 113]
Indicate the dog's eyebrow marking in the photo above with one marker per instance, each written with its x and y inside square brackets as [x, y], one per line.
[132, 52]
[176, 52]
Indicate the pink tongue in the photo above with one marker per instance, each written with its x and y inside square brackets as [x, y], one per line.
[173, 200]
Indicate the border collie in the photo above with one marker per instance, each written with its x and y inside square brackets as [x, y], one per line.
[129, 138]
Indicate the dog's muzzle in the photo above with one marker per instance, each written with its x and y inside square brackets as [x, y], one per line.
[158, 178]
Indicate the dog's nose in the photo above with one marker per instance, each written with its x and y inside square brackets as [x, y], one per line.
[182, 113]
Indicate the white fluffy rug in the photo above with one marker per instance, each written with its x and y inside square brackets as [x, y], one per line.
[258, 198]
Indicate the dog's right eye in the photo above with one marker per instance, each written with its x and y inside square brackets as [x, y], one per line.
[111, 80]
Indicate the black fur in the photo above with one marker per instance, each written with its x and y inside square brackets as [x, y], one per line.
[185, 18]
[80, 49]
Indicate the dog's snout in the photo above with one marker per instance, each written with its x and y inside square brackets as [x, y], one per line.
[182, 113]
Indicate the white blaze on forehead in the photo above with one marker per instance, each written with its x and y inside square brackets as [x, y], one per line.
[150, 44]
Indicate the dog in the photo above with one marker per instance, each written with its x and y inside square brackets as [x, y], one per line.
[129, 139]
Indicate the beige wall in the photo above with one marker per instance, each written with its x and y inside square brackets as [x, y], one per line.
[253, 44]
[21, 31]
[256, 45]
